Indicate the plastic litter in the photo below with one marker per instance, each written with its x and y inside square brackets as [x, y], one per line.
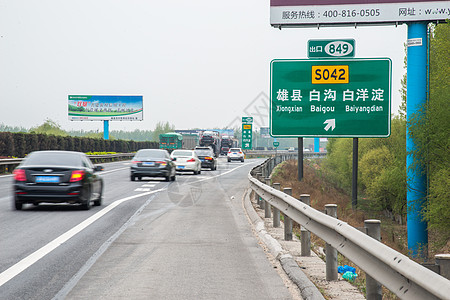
[350, 276]
[345, 269]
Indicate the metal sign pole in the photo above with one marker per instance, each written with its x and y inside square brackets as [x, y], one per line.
[300, 158]
[355, 174]
[416, 177]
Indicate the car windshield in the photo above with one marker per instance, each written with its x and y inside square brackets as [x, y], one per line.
[150, 153]
[235, 150]
[181, 153]
[53, 159]
[204, 152]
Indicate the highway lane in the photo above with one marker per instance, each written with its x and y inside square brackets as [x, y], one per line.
[27, 231]
[73, 248]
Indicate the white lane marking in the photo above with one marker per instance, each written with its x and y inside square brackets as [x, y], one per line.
[148, 185]
[115, 170]
[142, 190]
[40, 253]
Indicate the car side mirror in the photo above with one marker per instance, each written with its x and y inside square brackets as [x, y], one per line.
[98, 168]
[174, 158]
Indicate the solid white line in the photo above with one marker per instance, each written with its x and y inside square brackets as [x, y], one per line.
[38, 254]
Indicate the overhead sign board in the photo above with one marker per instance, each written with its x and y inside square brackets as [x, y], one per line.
[343, 48]
[105, 107]
[351, 12]
[330, 98]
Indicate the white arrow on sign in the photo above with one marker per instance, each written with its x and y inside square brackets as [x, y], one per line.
[331, 123]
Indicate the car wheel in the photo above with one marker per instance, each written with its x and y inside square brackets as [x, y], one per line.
[133, 178]
[242, 160]
[167, 178]
[98, 202]
[17, 204]
[229, 160]
[86, 204]
[199, 172]
[173, 178]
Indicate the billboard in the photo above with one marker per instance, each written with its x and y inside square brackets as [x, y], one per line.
[352, 12]
[105, 108]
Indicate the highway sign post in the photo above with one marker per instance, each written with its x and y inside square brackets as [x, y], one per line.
[330, 98]
[247, 133]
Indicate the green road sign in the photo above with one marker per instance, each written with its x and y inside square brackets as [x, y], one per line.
[246, 136]
[330, 98]
[331, 48]
[276, 144]
[247, 120]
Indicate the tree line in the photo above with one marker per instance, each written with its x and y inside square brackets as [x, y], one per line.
[17, 144]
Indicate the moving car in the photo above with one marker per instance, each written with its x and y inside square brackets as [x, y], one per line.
[57, 177]
[187, 160]
[206, 156]
[152, 163]
[235, 154]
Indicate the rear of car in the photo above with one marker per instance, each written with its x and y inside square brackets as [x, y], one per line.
[235, 154]
[57, 177]
[187, 161]
[207, 158]
[152, 163]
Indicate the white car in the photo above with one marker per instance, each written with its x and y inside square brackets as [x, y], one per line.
[187, 161]
[235, 154]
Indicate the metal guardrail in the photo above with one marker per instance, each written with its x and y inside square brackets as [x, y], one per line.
[255, 153]
[8, 164]
[401, 275]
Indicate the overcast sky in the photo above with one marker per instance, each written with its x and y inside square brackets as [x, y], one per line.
[198, 63]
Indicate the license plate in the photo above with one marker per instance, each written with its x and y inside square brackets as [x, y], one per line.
[180, 167]
[47, 179]
[148, 164]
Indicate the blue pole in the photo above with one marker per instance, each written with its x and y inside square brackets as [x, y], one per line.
[416, 97]
[316, 145]
[106, 129]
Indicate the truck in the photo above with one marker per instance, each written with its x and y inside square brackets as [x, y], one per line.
[211, 139]
[226, 143]
[170, 141]
[190, 140]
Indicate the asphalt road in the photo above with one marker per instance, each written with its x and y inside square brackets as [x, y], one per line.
[188, 239]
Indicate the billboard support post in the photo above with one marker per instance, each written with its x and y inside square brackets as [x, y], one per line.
[316, 144]
[416, 98]
[106, 129]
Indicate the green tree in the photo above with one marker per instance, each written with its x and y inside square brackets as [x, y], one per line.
[430, 130]
[160, 128]
[49, 127]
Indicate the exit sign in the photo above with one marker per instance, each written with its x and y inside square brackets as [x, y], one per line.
[330, 98]
[343, 48]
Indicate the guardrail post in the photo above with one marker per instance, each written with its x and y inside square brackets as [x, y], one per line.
[287, 220]
[276, 211]
[373, 288]
[443, 261]
[305, 235]
[258, 177]
[267, 206]
[331, 253]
